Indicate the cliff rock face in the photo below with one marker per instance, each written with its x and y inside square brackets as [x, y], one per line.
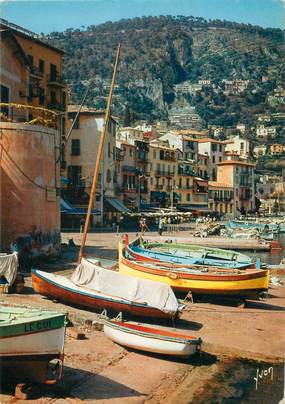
[160, 52]
[154, 91]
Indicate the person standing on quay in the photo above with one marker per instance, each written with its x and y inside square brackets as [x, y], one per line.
[160, 226]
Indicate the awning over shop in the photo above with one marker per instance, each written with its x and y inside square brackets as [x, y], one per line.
[117, 205]
[198, 208]
[148, 206]
[201, 183]
[67, 208]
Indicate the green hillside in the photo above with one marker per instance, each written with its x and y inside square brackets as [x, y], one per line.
[160, 52]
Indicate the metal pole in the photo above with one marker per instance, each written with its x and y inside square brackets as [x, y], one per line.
[139, 194]
[172, 197]
[100, 150]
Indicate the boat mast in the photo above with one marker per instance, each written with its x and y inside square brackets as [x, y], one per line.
[100, 150]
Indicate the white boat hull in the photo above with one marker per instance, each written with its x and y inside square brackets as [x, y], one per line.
[39, 343]
[149, 344]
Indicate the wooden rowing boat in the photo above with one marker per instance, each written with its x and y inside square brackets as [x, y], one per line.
[150, 339]
[248, 283]
[180, 254]
[30, 340]
[197, 251]
[112, 291]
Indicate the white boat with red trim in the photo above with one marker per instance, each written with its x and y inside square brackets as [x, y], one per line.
[150, 339]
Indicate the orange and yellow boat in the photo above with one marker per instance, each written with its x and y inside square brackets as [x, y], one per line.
[245, 283]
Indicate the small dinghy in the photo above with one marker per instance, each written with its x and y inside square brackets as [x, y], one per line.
[149, 339]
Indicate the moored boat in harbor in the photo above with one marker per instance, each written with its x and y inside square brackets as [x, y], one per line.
[262, 226]
[150, 339]
[30, 340]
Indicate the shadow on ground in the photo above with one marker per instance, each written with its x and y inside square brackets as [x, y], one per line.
[76, 383]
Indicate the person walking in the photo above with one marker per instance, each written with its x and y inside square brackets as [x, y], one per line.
[160, 226]
[141, 224]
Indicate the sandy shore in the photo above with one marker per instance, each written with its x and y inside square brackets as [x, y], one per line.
[98, 370]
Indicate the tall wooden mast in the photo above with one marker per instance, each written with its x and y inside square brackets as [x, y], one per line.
[100, 150]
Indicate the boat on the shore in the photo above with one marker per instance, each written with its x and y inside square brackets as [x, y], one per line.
[248, 234]
[8, 270]
[186, 254]
[261, 226]
[95, 287]
[30, 340]
[245, 283]
[150, 339]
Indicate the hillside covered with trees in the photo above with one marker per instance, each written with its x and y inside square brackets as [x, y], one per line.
[160, 52]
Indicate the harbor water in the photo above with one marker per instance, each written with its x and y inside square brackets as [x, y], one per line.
[272, 258]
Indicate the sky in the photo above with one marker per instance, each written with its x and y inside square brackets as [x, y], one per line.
[58, 15]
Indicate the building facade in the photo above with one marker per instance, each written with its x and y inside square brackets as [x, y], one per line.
[215, 150]
[80, 158]
[162, 171]
[240, 176]
[221, 198]
[238, 145]
[31, 128]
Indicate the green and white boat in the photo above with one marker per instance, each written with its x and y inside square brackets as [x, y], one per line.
[213, 255]
[32, 343]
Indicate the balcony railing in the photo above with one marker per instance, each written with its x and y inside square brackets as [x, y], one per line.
[164, 173]
[35, 71]
[222, 198]
[187, 173]
[142, 159]
[55, 80]
[131, 169]
[167, 157]
[10, 112]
